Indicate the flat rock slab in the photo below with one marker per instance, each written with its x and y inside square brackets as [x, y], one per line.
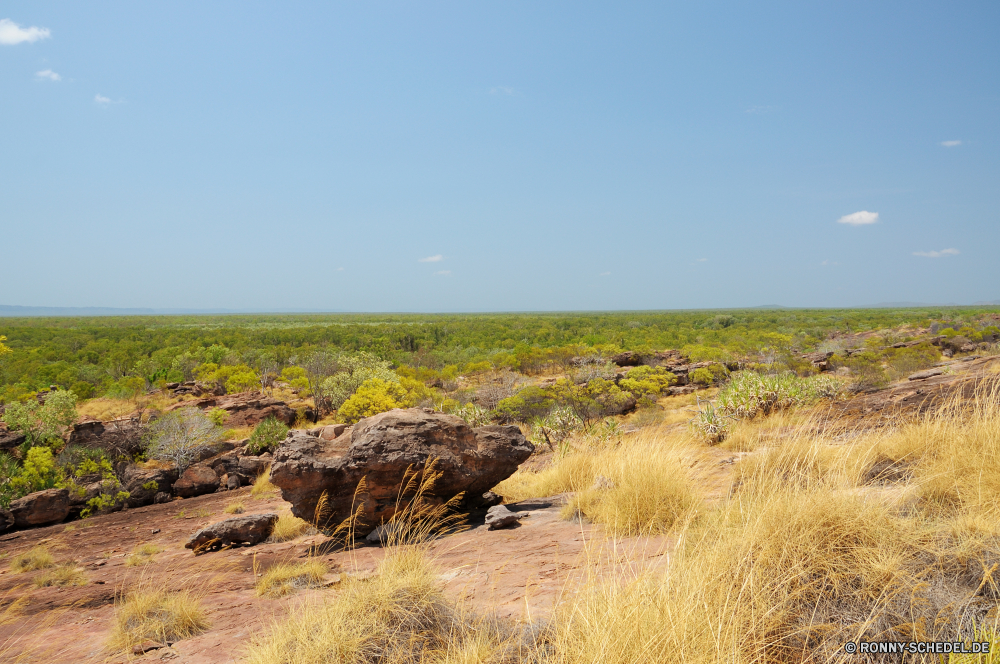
[929, 373]
[241, 530]
[499, 516]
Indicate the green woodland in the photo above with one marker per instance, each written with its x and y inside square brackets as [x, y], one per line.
[119, 356]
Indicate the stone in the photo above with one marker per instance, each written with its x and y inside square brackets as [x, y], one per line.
[332, 432]
[241, 530]
[382, 534]
[162, 497]
[499, 516]
[490, 499]
[196, 480]
[143, 484]
[380, 450]
[233, 482]
[10, 440]
[249, 467]
[40, 508]
[629, 358]
[929, 373]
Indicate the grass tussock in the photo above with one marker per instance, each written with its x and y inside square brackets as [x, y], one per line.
[142, 554]
[65, 575]
[235, 507]
[400, 616]
[31, 560]
[286, 578]
[650, 487]
[288, 527]
[155, 614]
[262, 486]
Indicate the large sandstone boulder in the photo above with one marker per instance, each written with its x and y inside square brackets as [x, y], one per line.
[40, 508]
[380, 449]
[10, 440]
[196, 480]
[6, 520]
[143, 484]
[239, 531]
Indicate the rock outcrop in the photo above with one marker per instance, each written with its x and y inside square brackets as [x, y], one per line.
[238, 531]
[40, 508]
[196, 480]
[143, 484]
[380, 449]
[10, 440]
[245, 410]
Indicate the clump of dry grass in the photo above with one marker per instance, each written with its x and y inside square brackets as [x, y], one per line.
[31, 560]
[155, 614]
[288, 527]
[262, 486]
[65, 575]
[235, 507]
[286, 578]
[650, 491]
[142, 554]
[398, 616]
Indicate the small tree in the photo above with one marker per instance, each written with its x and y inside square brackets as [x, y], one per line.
[352, 372]
[179, 436]
[4, 349]
[373, 397]
[266, 436]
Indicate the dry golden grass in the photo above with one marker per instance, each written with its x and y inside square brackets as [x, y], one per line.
[142, 554]
[651, 490]
[286, 578]
[103, 408]
[66, 575]
[237, 433]
[288, 527]
[235, 507]
[155, 614]
[262, 487]
[31, 560]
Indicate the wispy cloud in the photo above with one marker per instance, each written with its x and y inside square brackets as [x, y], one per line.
[340, 269]
[829, 263]
[48, 74]
[101, 99]
[11, 33]
[702, 260]
[436, 258]
[604, 274]
[951, 144]
[502, 90]
[937, 254]
[862, 218]
[444, 273]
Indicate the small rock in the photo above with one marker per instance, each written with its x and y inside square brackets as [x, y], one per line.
[490, 499]
[155, 530]
[143, 648]
[383, 533]
[921, 375]
[40, 508]
[501, 517]
[602, 483]
[243, 530]
[161, 497]
[233, 482]
[198, 479]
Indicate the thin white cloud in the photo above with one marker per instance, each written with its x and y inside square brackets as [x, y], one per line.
[101, 99]
[11, 33]
[502, 90]
[340, 269]
[951, 144]
[48, 74]
[436, 258]
[937, 254]
[862, 218]
[444, 273]
[604, 274]
[702, 260]
[829, 263]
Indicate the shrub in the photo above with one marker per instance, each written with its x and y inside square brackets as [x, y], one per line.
[155, 615]
[373, 397]
[235, 507]
[530, 403]
[66, 575]
[244, 379]
[748, 394]
[218, 416]
[473, 415]
[180, 435]
[42, 422]
[596, 400]
[646, 381]
[266, 436]
[288, 527]
[353, 371]
[39, 472]
[9, 471]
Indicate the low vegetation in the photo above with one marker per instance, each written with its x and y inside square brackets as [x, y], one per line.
[155, 614]
[288, 527]
[262, 487]
[286, 578]
[142, 554]
[33, 559]
[65, 575]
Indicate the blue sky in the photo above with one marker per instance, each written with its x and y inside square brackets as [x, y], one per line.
[546, 156]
